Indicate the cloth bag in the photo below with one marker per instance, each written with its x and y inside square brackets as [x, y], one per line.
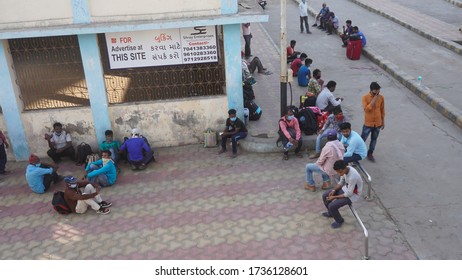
[210, 138]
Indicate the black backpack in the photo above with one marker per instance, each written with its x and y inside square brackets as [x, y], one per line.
[247, 90]
[254, 110]
[83, 150]
[59, 204]
[308, 121]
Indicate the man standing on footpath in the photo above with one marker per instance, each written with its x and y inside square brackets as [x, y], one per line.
[374, 117]
[303, 9]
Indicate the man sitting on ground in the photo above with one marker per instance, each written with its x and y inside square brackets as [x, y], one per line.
[304, 73]
[40, 175]
[349, 189]
[332, 151]
[326, 100]
[315, 85]
[138, 150]
[235, 129]
[297, 63]
[60, 143]
[111, 145]
[255, 64]
[356, 148]
[291, 53]
[290, 133]
[79, 201]
[103, 171]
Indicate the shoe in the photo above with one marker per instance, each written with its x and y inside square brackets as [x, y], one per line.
[301, 31]
[221, 151]
[314, 25]
[234, 155]
[315, 155]
[326, 214]
[336, 225]
[344, 46]
[133, 167]
[325, 186]
[371, 157]
[6, 172]
[103, 211]
[308, 32]
[299, 155]
[142, 166]
[329, 33]
[320, 27]
[105, 204]
[309, 187]
[285, 157]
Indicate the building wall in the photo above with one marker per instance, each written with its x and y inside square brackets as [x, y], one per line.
[169, 123]
[21, 14]
[119, 10]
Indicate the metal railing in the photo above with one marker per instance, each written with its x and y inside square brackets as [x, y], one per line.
[366, 233]
[367, 178]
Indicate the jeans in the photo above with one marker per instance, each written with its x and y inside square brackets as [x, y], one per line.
[56, 157]
[48, 178]
[321, 136]
[304, 20]
[334, 205]
[82, 205]
[247, 51]
[234, 138]
[374, 131]
[313, 167]
[354, 157]
[101, 179]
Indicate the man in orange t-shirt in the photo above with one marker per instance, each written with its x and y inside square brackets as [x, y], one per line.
[374, 117]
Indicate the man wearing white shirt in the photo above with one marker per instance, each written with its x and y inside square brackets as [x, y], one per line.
[303, 9]
[326, 100]
[60, 143]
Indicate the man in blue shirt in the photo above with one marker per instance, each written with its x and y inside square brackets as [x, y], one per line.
[139, 152]
[103, 171]
[40, 175]
[355, 147]
[304, 73]
[359, 35]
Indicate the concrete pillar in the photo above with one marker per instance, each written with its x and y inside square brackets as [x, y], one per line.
[232, 45]
[94, 76]
[11, 105]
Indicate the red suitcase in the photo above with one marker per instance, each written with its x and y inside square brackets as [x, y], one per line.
[353, 50]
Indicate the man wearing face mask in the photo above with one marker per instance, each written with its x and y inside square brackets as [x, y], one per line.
[39, 175]
[235, 129]
[103, 171]
[290, 133]
[79, 201]
[60, 143]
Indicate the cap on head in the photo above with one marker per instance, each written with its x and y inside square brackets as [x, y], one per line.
[136, 131]
[332, 134]
[70, 179]
[33, 159]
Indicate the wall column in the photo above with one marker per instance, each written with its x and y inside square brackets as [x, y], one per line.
[232, 44]
[11, 106]
[94, 76]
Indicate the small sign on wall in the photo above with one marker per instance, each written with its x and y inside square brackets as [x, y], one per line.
[162, 47]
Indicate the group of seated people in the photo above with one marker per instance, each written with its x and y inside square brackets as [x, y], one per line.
[100, 173]
[329, 22]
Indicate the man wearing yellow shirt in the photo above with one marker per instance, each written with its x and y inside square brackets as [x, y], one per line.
[374, 117]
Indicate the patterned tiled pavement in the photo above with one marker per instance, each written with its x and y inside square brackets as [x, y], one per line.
[194, 204]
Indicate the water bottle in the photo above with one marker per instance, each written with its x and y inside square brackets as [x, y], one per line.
[288, 146]
[419, 80]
